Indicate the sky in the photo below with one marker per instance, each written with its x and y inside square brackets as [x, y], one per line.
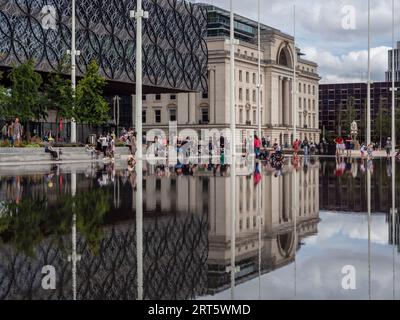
[333, 33]
[342, 240]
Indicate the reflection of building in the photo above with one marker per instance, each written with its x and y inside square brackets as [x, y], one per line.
[348, 192]
[212, 109]
[186, 236]
[277, 233]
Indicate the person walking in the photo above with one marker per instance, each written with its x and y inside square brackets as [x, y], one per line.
[305, 147]
[17, 128]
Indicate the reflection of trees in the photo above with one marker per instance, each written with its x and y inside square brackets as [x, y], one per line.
[27, 223]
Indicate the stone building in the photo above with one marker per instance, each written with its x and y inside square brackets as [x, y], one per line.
[212, 109]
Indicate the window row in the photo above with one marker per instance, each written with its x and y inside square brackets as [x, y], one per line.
[254, 77]
[305, 105]
[172, 115]
[306, 88]
[253, 97]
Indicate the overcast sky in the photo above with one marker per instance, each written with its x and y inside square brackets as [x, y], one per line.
[338, 48]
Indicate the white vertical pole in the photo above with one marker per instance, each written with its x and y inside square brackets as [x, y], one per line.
[259, 73]
[393, 84]
[369, 230]
[294, 85]
[369, 77]
[73, 66]
[139, 15]
[233, 151]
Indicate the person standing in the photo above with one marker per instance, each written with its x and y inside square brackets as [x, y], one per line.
[17, 131]
[10, 133]
[305, 147]
[388, 147]
[257, 146]
[4, 134]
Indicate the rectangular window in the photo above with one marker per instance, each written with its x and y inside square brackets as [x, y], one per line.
[300, 103]
[204, 115]
[158, 96]
[144, 116]
[261, 79]
[261, 98]
[157, 114]
[172, 114]
[240, 115]
[254, 78]
[144, 97]
[247, 95]
[299, 87]
[247, 77]
[173, 97]
[205, 95]
[240, 94]
[254, 117]
[240, 76]
[254, 96]
[309, 89]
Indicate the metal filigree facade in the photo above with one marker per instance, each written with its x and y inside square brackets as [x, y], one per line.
[174, 46]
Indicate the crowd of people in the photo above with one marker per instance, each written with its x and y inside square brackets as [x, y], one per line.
[12, 132]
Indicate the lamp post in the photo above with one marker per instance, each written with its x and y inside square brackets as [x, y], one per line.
[233, 149]
[139, 15]
[259, 73]
[74, 53]
[369, 77]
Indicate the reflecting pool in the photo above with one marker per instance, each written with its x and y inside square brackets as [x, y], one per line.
[322, 229]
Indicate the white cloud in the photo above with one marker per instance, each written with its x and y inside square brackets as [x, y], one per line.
[349, 67]
[341, 54]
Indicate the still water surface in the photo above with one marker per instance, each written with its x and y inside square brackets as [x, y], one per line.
[295, 231]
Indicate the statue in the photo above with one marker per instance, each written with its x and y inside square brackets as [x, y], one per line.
[354, 129]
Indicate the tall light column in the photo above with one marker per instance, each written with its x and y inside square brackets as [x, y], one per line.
[294, 85]
[259, 73]
[139, 14]
[393, 85]
[73, 53]
[233, 151]
[369, 77]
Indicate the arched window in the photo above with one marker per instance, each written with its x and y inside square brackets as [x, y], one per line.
[284, 57]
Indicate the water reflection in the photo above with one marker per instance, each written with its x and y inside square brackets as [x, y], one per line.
[85, 222]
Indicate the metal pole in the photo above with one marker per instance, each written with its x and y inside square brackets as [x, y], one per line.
[369, 77]
[294, 86]
[393, 85]
[259, 74]
[233, 151]
[369, 230]
[139, 15]
[73, 66]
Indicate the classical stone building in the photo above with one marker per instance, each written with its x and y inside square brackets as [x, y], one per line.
[212, 109]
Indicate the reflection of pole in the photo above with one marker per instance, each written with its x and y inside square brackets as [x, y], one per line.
[74, 258]
[233, 151]
[139, 227]
[260, 222]
[294, 210]
[394, 220]
[369, 230]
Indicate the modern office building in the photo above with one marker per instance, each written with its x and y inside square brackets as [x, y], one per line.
[174, 46]
[212, 109]
[388, 74]
[333, 104]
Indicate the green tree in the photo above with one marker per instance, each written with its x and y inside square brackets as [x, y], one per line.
[91, 107]
[59, 95]
[350, 115]
[26, 100]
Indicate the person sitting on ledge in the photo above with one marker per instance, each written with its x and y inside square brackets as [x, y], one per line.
[48, 148]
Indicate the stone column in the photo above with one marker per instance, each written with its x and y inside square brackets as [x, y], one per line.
[280, 102]
[192, 108]
[212, 94]
[286, 106]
